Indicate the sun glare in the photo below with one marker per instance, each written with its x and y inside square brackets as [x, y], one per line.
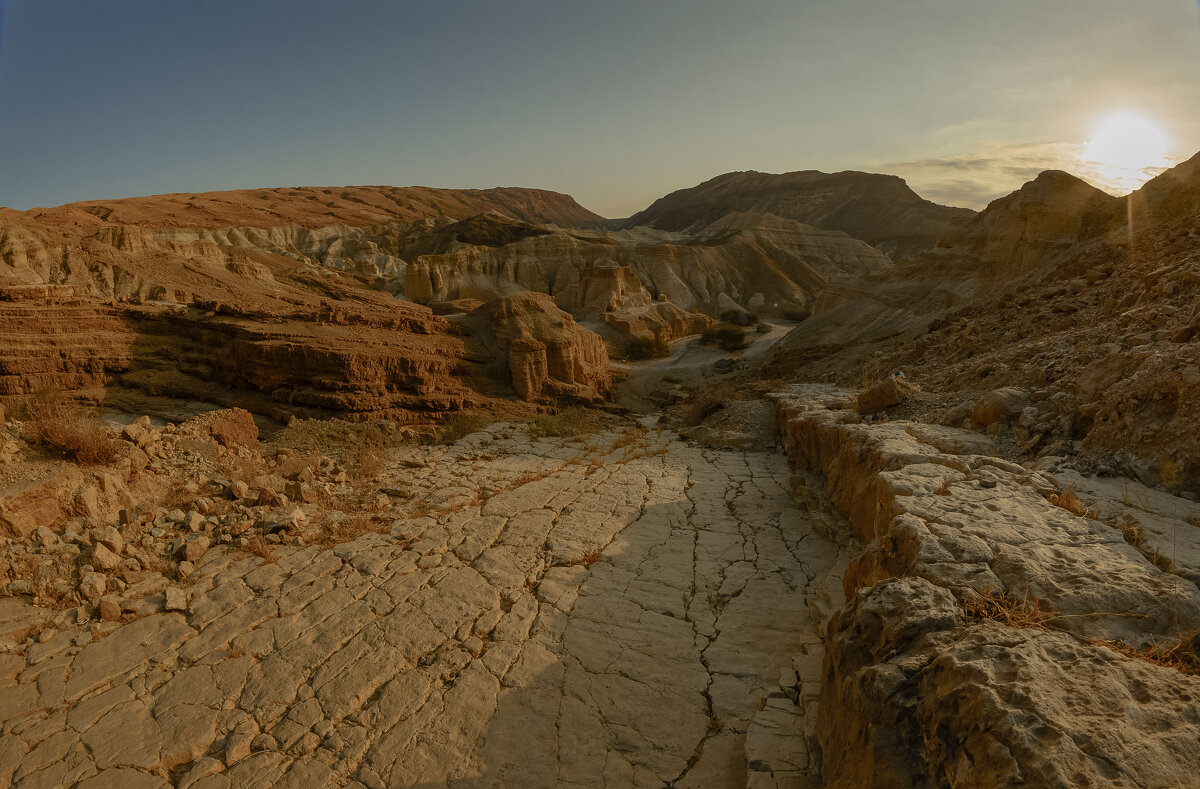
[1127, 149]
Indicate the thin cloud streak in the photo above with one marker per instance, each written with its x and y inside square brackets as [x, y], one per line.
[973, 180]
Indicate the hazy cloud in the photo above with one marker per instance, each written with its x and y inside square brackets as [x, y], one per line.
[974, 180]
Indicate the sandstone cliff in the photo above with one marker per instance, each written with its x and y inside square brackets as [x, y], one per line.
[542, 350]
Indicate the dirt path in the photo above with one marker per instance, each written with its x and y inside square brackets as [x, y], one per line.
[691, 363]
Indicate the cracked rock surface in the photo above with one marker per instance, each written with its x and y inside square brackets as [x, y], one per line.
[637, 618]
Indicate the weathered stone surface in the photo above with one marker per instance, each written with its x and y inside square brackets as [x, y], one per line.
[914, 692]
[1001, 405]
[545, 352]
[627, 620]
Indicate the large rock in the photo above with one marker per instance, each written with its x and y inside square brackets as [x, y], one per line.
[546, 353]
[915, 696]
[916, 691]
[231, 427]
[1001, 405]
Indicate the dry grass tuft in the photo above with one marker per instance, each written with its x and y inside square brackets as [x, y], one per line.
[457, 426]
[1135, 535]
[1016, 613]
[628, 438]
[573, 421]
[67, 428]
[260, 547]
[1069, 502]
[354, 527]
[1183, 656]
[586, 560]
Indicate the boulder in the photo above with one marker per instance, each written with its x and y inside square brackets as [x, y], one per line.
[105, 560]
[109, 538]
[999, 406]
[93, 585]
[885, 394]
[229, 427]
[547, 354]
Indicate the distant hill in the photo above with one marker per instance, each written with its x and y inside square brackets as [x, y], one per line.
[316, 206]
[879, 209]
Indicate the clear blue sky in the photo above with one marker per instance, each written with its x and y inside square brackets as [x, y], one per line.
[615, 102]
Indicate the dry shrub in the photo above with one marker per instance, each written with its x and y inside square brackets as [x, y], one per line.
[628, 438]
[260, 547]
[1183, 656]
[457, 426]
[354, 527]
[573, 421]
[1016, 613]
[367, 462]
[67, 428]
[1069, 502]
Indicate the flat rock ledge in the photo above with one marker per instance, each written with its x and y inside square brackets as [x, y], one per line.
[625, 610]
[917, 694]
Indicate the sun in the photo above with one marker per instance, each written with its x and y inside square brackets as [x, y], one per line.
[1126, 150]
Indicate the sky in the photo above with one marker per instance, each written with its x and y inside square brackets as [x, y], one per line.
[616, 102]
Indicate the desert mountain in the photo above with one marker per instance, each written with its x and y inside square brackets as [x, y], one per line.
[879, 209]
[1171, 196]
[313, 207]
[1052, 290]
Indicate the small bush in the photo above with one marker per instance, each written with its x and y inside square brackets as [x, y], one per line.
[739, 318]
[725, 336]
[67, 428]
[1069, 502]
[639, 348]
[574, 421]
[459, 425]
[1016, 613]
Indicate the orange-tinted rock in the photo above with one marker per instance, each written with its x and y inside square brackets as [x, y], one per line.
[231, 427]
[545, 352]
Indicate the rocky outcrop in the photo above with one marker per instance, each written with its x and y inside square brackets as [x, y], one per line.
[918, 690]
[743, 261]
[914, 696]
[878, 209]
[545, 353]
[1033, 227]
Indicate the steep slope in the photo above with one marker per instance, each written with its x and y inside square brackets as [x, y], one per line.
[1171, 196]
[1047, 291]
[1034, 226]
[878, 209]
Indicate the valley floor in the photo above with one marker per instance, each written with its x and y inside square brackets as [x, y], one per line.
[621, 615]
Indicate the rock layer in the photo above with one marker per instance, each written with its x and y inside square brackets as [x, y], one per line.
[917, 693]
